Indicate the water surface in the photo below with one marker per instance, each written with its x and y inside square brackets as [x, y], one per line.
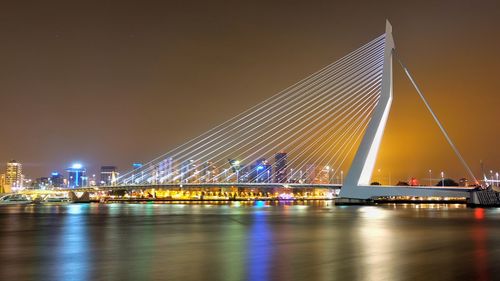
[258, 241]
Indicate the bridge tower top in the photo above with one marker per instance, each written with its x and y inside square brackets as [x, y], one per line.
[364, 161]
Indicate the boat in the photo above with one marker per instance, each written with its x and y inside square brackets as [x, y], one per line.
[56, 199]
[11, 199]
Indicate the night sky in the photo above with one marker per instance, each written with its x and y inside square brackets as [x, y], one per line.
[114, 82]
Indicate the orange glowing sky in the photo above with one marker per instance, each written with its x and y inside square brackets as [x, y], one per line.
[113, 82]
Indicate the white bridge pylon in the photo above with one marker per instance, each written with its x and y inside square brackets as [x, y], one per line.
[357, 183]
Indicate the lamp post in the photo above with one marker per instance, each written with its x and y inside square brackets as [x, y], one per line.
[442, 178]
[497, 179]
[430, 177]
[327, 168]
[341, 177]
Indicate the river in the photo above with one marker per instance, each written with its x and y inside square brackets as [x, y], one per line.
[249, 241]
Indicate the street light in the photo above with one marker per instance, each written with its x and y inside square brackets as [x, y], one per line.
[430, 177]
[442, 178]
[342, 177]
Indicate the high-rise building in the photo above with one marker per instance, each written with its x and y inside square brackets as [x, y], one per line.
[323, 175]
[76, 176]
[280, 164]
[188, 171]
[209, 172]
[235, 169]
[310, 174]
[56, 179]
[262, 171]
[41, 183]
[2, 184]
[165, 170]
[245, 174]
[13, 175]
[108, 175]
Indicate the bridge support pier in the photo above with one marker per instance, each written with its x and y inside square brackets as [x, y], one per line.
[83, 198]
[484, 198]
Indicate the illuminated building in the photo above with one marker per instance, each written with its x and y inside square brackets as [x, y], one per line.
[280, 163]
[262, 171]
[41, 183]
[108, 175]
[209, 172]
[235, 167]
[13, 175]
[165, 170]
[2, 184]
[76, 176]
[188, 171]
[245, 174]
[311, 173]
[323, 175]
[56, 179]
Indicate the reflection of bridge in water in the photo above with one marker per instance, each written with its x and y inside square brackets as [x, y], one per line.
[318, 121]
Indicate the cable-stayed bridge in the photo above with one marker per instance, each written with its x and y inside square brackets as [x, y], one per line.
[307, 135]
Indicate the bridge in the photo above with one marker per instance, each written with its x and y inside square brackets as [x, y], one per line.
[303, 137]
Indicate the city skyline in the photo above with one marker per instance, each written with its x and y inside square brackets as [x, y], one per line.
[94, 128]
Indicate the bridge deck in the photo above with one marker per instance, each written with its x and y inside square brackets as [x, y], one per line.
[211, 185]
[367, 192]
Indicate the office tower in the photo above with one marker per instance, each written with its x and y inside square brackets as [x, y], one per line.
[108, 175]
[165, 170]
[262, 171]
[76, 176]
[13, 175]
[209, 172]
[280, 164]
[56, 179]
[188, 171]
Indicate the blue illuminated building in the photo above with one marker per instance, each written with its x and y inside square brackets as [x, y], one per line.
[76, 176]
[262, 171]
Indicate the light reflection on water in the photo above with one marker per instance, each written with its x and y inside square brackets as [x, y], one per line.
[249, 241]
[71, 256]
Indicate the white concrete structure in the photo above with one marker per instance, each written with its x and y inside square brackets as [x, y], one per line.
[357, 182]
